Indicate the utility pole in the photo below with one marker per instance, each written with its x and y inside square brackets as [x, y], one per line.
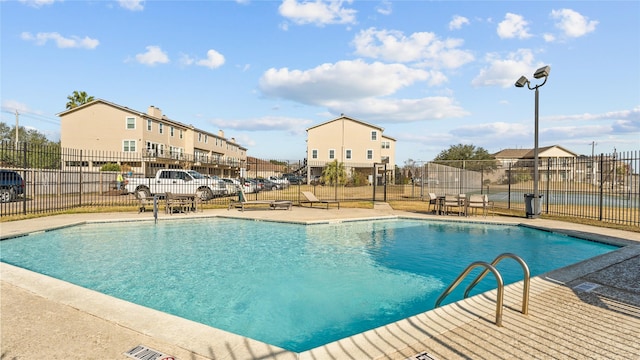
[17, 128]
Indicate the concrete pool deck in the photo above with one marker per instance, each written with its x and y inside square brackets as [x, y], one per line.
[590, 310]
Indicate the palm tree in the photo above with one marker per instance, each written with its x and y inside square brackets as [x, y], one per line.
[78, 98]
[334, 173]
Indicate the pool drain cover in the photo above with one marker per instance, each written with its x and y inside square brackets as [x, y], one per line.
[586, 287]
[422, 356]
[142, 352]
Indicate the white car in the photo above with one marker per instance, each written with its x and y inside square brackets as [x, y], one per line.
[282, 183]
[235, 184]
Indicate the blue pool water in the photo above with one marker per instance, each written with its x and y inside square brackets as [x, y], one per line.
[294, 286]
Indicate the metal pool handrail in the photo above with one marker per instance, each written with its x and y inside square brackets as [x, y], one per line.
[488, 267]
[527, 280]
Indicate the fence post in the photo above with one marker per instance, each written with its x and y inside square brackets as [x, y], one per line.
[546, 201]
[24, 175]
[509, 188]
[80, 181]
[601, 187]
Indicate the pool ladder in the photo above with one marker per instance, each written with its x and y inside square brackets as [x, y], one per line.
[491, 267]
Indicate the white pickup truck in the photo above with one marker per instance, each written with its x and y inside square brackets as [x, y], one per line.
[178, 182]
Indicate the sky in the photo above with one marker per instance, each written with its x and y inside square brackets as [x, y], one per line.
[432, 74]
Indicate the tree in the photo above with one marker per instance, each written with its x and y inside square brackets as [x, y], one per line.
[334, 173]
[40, 152]
[78, 98]
[467, 157]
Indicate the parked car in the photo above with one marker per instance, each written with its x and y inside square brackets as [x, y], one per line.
[247, 186]
[11, 185]
[281, 182]
[267, 184]
[295, 179]
[177, 181]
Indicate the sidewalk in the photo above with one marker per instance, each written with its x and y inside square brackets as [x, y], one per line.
[588, 310]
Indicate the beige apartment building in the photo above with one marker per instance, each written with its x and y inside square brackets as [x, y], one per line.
[145, 141]
[356, 144]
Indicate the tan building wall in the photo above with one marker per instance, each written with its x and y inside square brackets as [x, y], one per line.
[352, 142]
[345, 135]
[104, 126]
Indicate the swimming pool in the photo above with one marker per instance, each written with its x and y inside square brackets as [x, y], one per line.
[289, 285]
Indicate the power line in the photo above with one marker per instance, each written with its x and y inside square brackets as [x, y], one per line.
[32, 115]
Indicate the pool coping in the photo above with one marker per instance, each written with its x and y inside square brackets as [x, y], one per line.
[375, 343]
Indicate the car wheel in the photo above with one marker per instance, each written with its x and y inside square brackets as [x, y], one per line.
[145, 190]
[205, 194]
[5, 195]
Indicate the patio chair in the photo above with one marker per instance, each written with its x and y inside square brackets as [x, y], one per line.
[433, 202]
[476, 202]
[312, 199]
[242, 202]
[453, 201]
[143, 200]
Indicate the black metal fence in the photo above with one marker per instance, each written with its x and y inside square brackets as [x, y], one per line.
[605, 187]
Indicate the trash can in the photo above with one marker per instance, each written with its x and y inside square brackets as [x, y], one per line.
[528, 202]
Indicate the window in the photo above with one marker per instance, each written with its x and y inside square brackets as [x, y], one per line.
[129, 146]
[374, 135]
[171, 131]
[369, 154]
[332, 154]
[347, 154]
[386, 144]
[131, 123]
[314, 153]
[160, 128]
[206, 138]
[199, 137]
[149, 123]
[180, 134]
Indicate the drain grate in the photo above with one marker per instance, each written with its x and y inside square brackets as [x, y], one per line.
[586, 287]
[142, 352]
[422, 356]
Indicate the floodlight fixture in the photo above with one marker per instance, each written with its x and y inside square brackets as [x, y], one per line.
[522, 81]
[542, 72]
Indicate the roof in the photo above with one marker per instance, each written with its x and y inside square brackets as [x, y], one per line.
[143, 114]
[528, 153]
[350, 119]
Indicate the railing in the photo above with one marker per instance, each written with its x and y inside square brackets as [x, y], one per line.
[489, 267]
[500, 296]
[603, 188]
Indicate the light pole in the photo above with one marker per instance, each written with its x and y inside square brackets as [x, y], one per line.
[543, 72]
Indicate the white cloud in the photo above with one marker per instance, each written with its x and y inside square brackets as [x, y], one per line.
[572, 23]
[423, 48]
[384, 7]
[37, 3]
[14, 105]
[317, 12]
[457, 22]
[61, 41]
[267, 123]
[360, 89]
[154, 55]
[505, 71]
[513, 26]
[214, 60]
[133, 5]
[549, 37]
[344, 80]
[382, 110]
[494, 130]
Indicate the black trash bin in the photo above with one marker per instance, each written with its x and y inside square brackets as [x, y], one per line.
[528, 202]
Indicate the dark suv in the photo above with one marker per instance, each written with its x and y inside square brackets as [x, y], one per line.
[11, 185]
